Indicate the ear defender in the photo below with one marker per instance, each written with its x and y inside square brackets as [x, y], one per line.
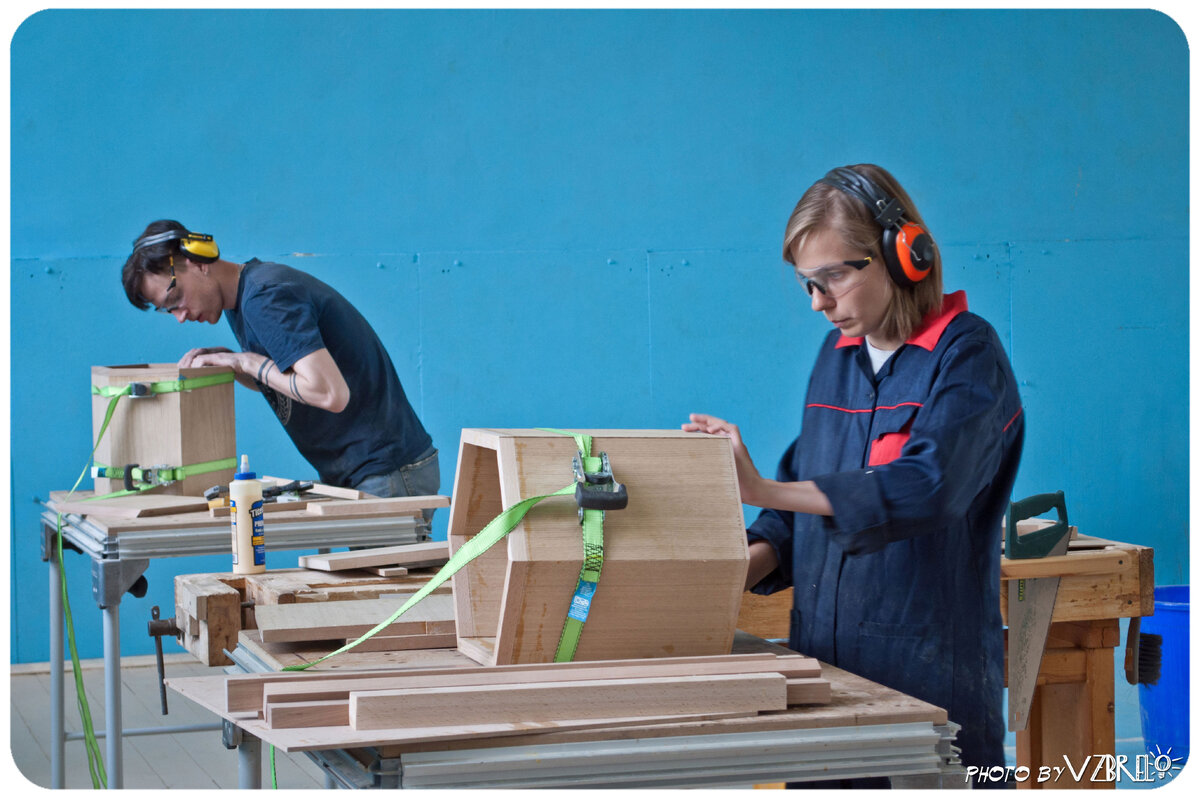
[907, 249]
[198, 247]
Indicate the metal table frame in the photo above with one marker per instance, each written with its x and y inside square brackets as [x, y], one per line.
[118, 562]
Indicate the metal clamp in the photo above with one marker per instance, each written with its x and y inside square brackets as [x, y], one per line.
[140, 390]
[597, 490]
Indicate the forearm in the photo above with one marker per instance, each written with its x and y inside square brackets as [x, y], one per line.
[305, 385]
[800, 497]
[763, 561]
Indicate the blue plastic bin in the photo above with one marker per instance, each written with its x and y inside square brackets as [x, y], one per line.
[1164, 706]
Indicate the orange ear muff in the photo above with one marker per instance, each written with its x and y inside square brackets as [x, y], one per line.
[914, 252]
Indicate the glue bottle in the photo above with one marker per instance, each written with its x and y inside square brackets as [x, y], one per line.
[246, 516]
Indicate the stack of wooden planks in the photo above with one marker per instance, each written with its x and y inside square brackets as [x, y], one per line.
[211, 609]
[455, 701]
[429, 624]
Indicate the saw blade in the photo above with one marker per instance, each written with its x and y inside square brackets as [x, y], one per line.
[1030, 607]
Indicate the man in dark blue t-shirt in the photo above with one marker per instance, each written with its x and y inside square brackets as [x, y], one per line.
[312, 355]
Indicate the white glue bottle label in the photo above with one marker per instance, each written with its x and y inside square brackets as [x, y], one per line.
[246, 516]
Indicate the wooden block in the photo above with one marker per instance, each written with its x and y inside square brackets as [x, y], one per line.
[398, 505]
[768, 617]
[308, 714]
[458, 706]
[674, 561]
[390, 570]
[413, 554]
[808, 691]
[348, 619]
[176, 429]
[212, 607]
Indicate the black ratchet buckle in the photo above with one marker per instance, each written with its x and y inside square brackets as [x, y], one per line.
[597, 491]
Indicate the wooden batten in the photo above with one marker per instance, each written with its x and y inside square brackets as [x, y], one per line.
[674, 559]
[174, 429]
[604, 698]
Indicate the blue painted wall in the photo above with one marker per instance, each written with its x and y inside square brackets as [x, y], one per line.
[574, 219]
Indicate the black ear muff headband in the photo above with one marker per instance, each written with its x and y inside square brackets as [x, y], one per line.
[907, 249]
[197, 246]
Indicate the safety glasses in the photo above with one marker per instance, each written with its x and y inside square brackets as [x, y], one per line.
[168, 308]
[835, 280]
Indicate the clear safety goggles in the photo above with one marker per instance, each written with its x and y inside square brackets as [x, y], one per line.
[835, 280]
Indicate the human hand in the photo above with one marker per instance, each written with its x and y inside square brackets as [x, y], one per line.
[188, 360]
[749, 480]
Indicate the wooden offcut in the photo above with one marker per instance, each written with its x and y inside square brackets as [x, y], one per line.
[180, 428]
[209, 615]
[674, 559]
[350, 619]
[602, 698]
[387, 507]
[411, 555]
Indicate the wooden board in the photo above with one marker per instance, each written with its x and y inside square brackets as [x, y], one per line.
[398, 505]
[348, 619]
[324, 490]
[855, 702]
[268, 507]
[321, 687]
[429, 640]
[300, 585]
[602, 698]
[412, 555]
[142, 505]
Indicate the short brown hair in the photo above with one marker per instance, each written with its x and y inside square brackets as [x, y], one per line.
[826, 207]
[148, 260]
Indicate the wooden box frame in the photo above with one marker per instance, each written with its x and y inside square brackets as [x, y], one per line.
[174, 429]
[675, 559]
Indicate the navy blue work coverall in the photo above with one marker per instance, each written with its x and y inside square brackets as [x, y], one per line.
[901, 585]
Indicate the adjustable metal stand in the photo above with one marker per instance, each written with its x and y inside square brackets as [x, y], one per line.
[118, 564]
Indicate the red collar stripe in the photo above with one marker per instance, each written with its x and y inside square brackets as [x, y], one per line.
[868, 409]
[929, 332]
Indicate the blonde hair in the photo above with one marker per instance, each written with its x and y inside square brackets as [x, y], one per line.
[825, 207]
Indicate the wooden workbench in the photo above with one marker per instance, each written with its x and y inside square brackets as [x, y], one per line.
[856, 703]
[1073, 706]
[1072, 713]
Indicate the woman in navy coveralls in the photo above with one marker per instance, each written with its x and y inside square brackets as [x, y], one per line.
[885, 512]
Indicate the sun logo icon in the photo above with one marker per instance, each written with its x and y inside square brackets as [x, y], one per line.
[1165, 764]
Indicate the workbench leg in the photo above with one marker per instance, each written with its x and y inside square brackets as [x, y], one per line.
[58, 738]
[114, 764]
[1072, 715]
[249, 762]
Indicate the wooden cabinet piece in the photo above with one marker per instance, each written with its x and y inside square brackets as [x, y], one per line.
[181, 428]
[674, 559]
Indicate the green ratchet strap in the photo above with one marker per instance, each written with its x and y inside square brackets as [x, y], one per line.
[496, 530]
[161, 475]
[140, 389]
[592, 523]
